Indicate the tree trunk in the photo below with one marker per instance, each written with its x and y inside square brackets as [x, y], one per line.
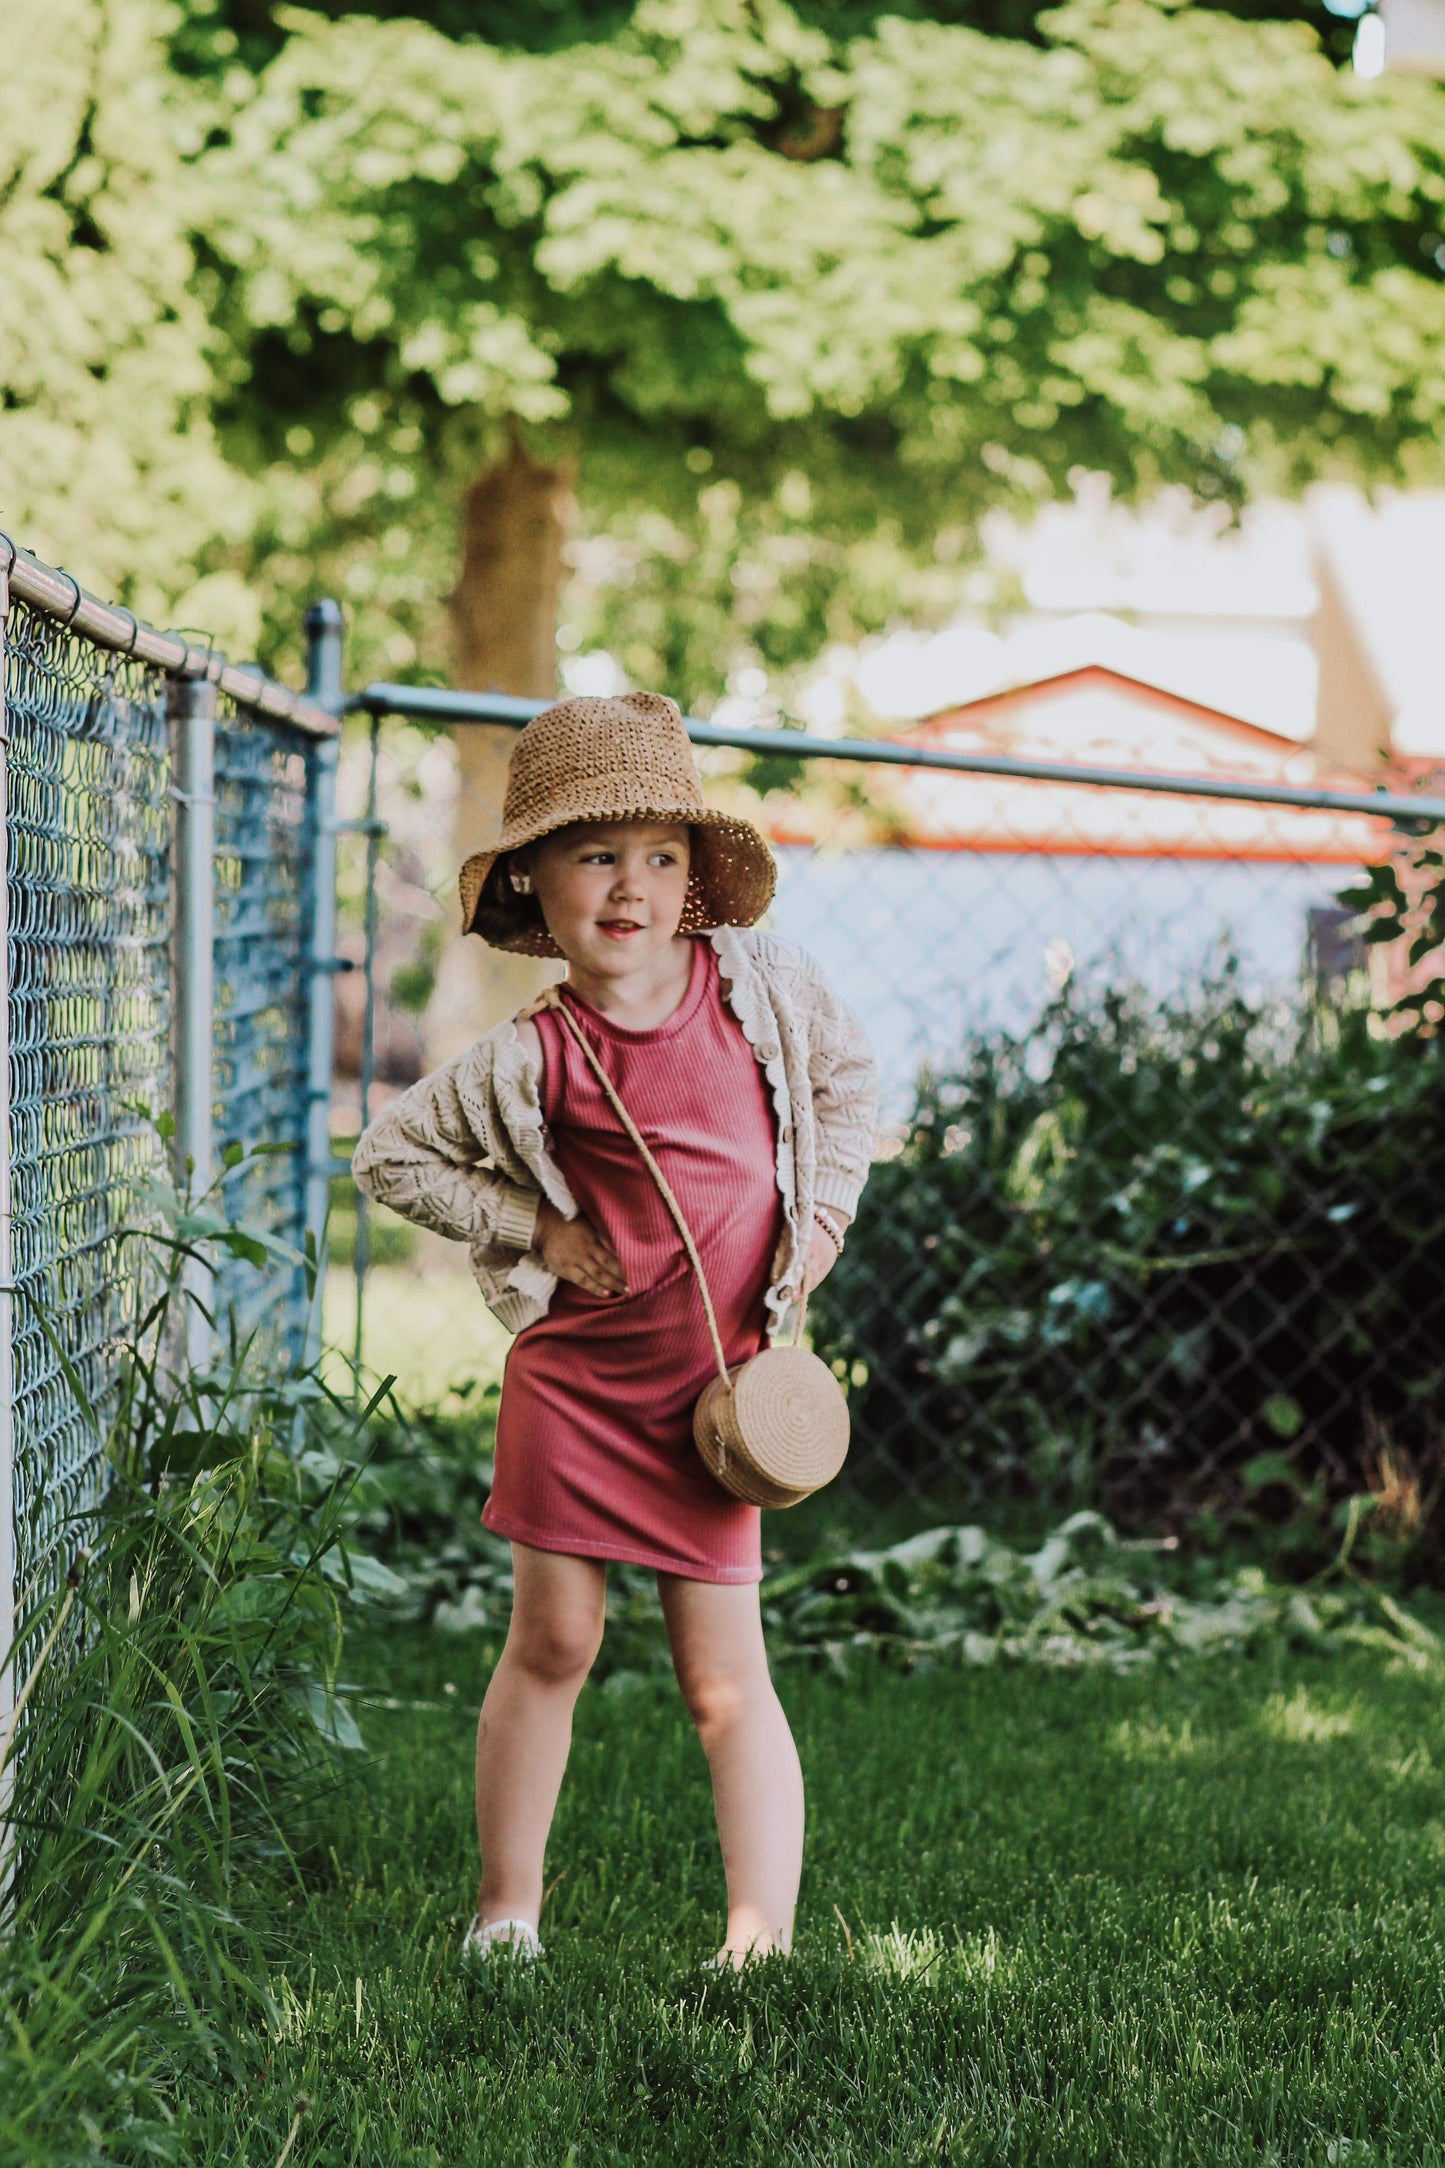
[515, 521]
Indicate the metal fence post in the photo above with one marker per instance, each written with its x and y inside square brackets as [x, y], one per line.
[374, 830]
[323, 684]
[8, 1591]
[191, 704]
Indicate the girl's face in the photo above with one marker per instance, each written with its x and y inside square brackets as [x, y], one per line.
[612, 893]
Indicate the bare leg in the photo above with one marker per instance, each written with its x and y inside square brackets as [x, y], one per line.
[722, 1667]
[526, 1723]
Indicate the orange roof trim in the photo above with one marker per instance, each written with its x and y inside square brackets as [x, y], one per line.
[1103, 674]
[933, 809]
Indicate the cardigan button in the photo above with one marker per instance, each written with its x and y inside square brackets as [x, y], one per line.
[770, 1050]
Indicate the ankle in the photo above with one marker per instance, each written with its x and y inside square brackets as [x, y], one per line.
[492, 1910]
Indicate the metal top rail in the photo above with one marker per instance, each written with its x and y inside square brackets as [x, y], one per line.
[109, 625]
[1413, 814]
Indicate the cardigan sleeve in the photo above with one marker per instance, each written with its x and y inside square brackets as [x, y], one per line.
[424, 1160]
[844, 1077]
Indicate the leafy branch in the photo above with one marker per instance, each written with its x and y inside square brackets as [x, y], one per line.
[1403, 901]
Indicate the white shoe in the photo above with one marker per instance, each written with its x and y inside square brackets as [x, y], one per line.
[518, 1938]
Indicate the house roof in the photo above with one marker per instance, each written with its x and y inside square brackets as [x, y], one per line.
[1099, 717]
[1080, 713]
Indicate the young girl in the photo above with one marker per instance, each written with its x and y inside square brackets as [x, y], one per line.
[755, 1090]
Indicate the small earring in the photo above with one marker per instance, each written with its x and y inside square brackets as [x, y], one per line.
[522, 883]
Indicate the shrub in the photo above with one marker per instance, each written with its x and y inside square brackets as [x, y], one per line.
[1180, 1263]
[419, 1503]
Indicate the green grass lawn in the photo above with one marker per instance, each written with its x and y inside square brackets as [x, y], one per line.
[431, 1331]
[1158, 1918]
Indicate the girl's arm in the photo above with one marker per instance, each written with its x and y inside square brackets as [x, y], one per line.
[844, 1077]
[424, 1160]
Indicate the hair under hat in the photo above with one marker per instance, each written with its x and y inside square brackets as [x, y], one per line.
[618, 759]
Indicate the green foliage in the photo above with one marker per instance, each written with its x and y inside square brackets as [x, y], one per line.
[180, 1715]
[108, 457]
[412, 984]
[741, 576]
[212, 33]
[1154, 241]
[1402, 901]
[210, 36]
[214, 1949]
[954, 1595]
[420, 1502]
[1082, 1598]
[808, 289]
[1117, 1261]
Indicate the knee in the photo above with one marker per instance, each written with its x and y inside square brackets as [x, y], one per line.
[556, 1650]
[716, 1700]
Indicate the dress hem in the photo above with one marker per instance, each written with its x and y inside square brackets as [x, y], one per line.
[579, 1547]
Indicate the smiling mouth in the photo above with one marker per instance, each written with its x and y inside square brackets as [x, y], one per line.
[619, 926]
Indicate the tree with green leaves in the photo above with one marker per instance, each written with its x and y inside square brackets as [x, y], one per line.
[108, 456]
[787, 297]
[792, 291]
[874, 283]
[764, 303]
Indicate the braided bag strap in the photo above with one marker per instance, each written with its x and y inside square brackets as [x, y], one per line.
[551, 999]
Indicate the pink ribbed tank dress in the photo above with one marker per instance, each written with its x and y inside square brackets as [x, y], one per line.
[594, 1450]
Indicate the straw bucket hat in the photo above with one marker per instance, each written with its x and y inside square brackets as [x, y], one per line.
[621, 759]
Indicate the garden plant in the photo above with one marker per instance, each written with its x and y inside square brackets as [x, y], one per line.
[172, 1757]
[1179, 1262]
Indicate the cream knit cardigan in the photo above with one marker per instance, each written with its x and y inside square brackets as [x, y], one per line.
[465, 1152]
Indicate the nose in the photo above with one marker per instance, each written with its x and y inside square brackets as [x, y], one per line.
[626, 884]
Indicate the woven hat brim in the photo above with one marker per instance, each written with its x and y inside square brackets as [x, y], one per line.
[731, 882]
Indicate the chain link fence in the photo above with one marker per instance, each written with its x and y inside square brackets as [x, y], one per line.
[1158, 1217]
[88, 819]
[1158, 1220]
[167, 830]
[264, 850]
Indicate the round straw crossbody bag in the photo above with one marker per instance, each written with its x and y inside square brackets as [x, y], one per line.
[771, 1430]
